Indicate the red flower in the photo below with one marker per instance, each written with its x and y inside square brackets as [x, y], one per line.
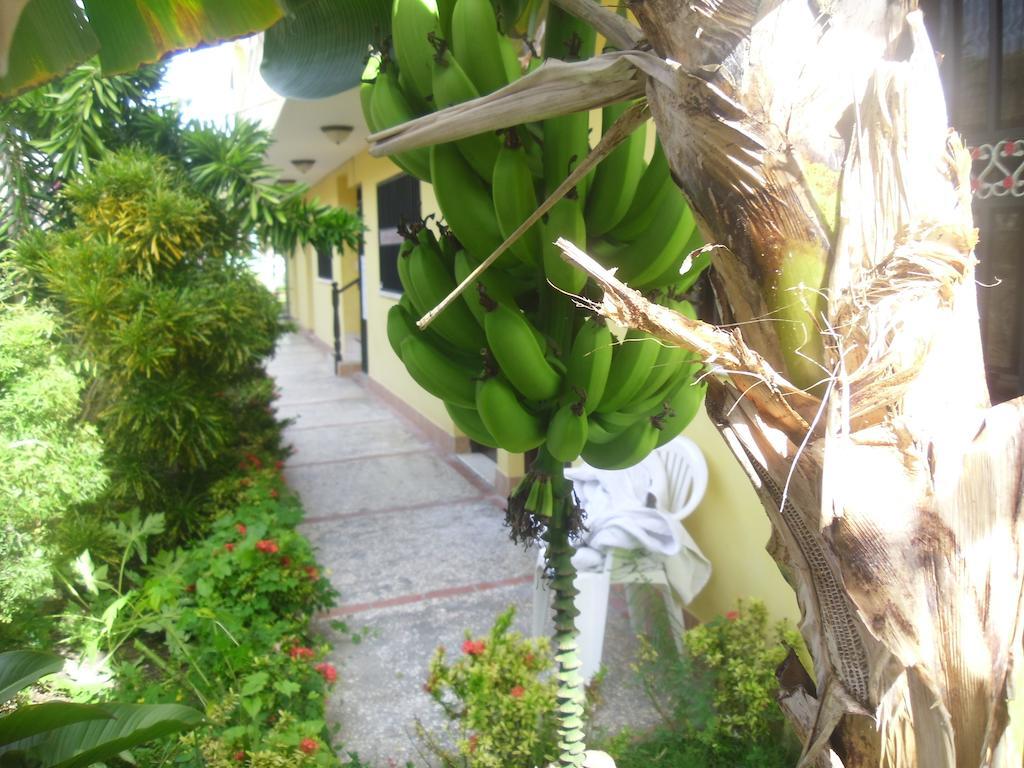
[278, 465]
[529, 659]
[301, 652]
[473, 647]
[309, 746]
[273, 493]
[254, 460]
[517, 692]
[240, 527]
[1008, 182]
[286, 561]
[229, 547]
[313, 573]
[267, 545]
[732, 615]
[239, 756]
[190, 588]
[330, 674]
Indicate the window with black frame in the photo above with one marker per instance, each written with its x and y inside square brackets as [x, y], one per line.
[324, 262]
[398, 202]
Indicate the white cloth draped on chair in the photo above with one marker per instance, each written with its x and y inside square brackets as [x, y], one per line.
[635, 536]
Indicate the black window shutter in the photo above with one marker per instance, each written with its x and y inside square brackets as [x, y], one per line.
[398, 202]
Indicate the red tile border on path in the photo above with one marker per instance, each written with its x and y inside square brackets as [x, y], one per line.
[479, 499]
[393, 602]
[362, 457]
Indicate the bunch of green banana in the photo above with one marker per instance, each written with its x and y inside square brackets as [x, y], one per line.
[515, 365]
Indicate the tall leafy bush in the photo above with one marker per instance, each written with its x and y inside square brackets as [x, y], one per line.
[50, 460]
[171, 325]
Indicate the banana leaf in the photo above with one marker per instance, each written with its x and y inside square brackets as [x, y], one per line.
[86, 742]
[19, 669]
[52, 36]
[321, 48]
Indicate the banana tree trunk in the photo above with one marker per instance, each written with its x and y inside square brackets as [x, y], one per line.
[811, 138]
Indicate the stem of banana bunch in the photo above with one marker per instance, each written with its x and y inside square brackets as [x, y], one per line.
[571, 694]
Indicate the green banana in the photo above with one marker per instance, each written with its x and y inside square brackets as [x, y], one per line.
[631, 364]
[565, 219]
[400, 325]
[437, 372]
[616, 422]
[493, 287]
[566, 138]
[366, 82]
[654, 186]
[521, 358]
[514, 427]
[445, 9]
[671, 365]
[433, 282]
[452, 86]
[659, 247]
[477, 44]
[465, 200]
[598, 432]
[510, 58]
[409, 287]
[389, 107]
[567, 432]
[673, 276]
[411, 22]
[469, 421]
[673, 253]
[681, 410]
[589, 363]
[617, 176]
[547, 498]
[627, 449]
[515, 198]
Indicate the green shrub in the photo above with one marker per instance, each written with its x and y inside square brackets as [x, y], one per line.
[717, 700]
[222, 625]
[49, 461]
[171, 327]
[499, 698]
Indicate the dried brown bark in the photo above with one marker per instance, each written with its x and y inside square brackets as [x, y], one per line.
[896, 508]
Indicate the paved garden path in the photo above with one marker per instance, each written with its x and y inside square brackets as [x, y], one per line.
[416, 546]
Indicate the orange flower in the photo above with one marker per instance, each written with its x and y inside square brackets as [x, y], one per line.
[474, 647]
[517, 692]
[329, 673]
[309, 746]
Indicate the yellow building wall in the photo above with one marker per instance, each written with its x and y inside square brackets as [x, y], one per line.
[384, 365]
[731, 528]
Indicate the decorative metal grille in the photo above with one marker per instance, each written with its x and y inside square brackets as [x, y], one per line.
[998, 169]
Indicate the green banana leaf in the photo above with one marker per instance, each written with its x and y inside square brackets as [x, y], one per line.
[84, 743]
[52, 36]
[19, 669]
[321, 48]
[34, 719]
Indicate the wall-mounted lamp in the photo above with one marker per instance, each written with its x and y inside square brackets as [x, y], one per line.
[303, 165]
[336, 133]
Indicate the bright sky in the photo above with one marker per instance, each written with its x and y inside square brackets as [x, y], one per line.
[201, 82]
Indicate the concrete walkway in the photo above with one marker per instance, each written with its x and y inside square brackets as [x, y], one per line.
[416, 545]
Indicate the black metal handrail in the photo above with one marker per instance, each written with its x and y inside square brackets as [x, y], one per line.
[336, 303]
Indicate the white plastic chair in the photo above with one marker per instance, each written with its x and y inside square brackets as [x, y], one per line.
[672, 479]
